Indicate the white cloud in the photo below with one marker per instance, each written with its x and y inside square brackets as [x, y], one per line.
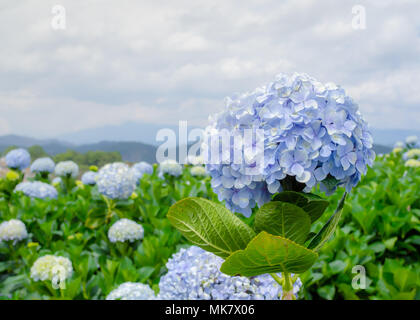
[166, 61]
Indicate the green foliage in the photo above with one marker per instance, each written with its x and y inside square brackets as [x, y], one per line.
[84, 160]
[210, 226]
[74, 226]
[380, 231]
[267, 253]
[37, 152]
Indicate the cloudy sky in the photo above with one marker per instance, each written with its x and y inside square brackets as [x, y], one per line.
[163, 61]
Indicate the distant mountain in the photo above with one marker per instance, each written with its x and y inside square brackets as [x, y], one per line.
[130, 151]
[129, 131]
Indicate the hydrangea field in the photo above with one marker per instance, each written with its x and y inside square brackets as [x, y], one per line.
[322, 219]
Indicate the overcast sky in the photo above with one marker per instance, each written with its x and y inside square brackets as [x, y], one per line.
[164, 61]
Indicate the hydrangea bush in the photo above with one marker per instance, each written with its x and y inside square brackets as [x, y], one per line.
[294, 133]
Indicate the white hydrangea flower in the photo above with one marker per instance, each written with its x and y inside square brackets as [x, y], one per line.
[198, 171]
[413, 163]
[13, 230]
[170, 167]
[67, 169]
[132, 291]
[125, 230]
[50, 267]
[195, 160]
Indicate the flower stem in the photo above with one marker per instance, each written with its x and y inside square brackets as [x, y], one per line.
[288, 287]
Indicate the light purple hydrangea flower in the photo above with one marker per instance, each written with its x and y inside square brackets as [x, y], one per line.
[116, 181]
[141, 168]
[194, 274]
[312, 133]
[37, 189]
[18, 159]
[89, 178]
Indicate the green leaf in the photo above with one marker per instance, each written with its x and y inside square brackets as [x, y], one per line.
[405, 279]
[283, 219]
[328, 229]
[327, 292]
[337, 266]
[267, 253]
[210, 226]
[312, 204]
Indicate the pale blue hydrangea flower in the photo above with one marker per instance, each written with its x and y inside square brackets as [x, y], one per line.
[18, 159]
[411, 141]
[13, 230]
[170, 167]
[141, 168]
[125, 230]
[116, 181]
[311, 132]
[67, 169]
[37, 189]
[194, 274]
[132, 291]
[89, 178]
[43, 165]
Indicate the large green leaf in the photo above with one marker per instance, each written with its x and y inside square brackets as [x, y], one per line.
[283, 219]
[312, 204]
[210, 226]
[267, 253]
[328, 229]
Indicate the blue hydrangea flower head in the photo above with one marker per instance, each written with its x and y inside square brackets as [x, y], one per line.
[170, 167]
[18, 159]
[89, 178]
[132, 291]
[43, 165]
[116, 181]
[311, 133]
[37, 189]
[67, 169]
[194, 274]
[141, 168]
